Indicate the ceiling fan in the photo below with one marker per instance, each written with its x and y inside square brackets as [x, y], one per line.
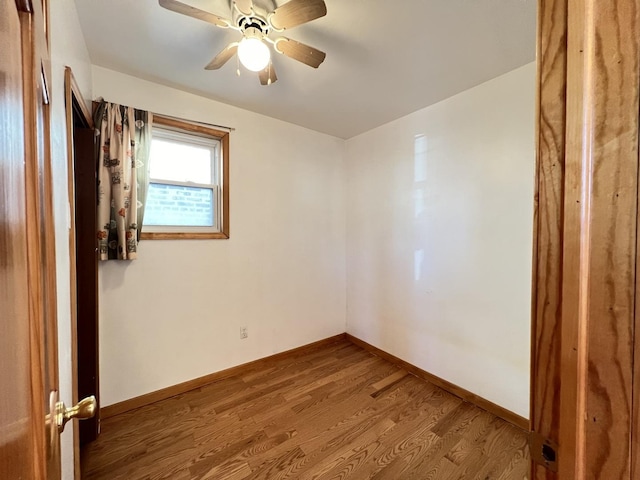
[256, 24]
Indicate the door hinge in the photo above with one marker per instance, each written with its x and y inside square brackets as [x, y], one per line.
[543, 451]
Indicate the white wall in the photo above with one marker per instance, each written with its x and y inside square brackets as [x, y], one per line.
[67, 49]
[174, 314]
[439, 229]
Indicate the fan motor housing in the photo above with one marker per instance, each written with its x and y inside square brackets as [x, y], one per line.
[253, 21]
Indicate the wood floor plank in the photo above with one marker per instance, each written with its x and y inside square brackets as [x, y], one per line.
[338, 456]
[440, 470]
[409, 437]
[318, 444]
[348, 388]
[470, 451]
[501, 450]
[348, 372]
[285, 466]
[447, 441]
[333, 412]
[391, 379]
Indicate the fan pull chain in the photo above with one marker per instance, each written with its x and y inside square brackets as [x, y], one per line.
[237, 65]
[269, 79]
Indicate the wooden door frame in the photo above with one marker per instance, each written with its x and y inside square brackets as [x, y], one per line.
[586, 242]
[72, 91]
[546, 299]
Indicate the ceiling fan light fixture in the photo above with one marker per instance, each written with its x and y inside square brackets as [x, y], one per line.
[255, 25]
[253, 53]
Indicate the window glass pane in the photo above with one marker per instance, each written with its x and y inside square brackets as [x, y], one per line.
[175, 205]
[179, 162]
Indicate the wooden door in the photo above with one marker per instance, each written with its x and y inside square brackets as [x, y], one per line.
[29, 441]
[585, 382]
[21, 434]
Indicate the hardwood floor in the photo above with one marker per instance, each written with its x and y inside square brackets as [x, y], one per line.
[335, 412]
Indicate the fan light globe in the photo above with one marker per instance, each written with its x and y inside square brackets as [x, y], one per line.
[254, 54]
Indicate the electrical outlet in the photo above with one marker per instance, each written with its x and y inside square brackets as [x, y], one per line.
[243, 332]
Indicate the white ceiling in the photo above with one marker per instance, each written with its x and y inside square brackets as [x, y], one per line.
[385, 59]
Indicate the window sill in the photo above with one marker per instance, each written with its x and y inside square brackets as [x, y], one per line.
[183, 236]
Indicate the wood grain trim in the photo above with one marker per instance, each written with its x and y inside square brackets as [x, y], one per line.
[460, 392]
[600, 239]
[223, 137]
[546, 297]
[71, 86]
[71, 91]
[68, 98]
[571, 444]
[36, 260]
[24, 6]
[146, 399]
[182, 236]
[635, 427]
[188, 126]
[224, 140]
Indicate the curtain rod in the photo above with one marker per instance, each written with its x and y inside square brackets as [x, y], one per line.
[195, 122]
[205, 124]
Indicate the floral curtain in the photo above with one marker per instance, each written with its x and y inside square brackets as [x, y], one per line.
[123, 153]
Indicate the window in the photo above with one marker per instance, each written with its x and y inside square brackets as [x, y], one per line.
[188, 194]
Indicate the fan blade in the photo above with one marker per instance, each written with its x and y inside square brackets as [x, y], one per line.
[223, 57]
[297, 12]
[267, 74]
[244, 6]
[299, 51]
[189, 11]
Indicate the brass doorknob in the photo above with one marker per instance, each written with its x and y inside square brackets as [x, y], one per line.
[85, 408]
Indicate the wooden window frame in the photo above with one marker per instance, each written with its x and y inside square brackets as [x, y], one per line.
[223, 137]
